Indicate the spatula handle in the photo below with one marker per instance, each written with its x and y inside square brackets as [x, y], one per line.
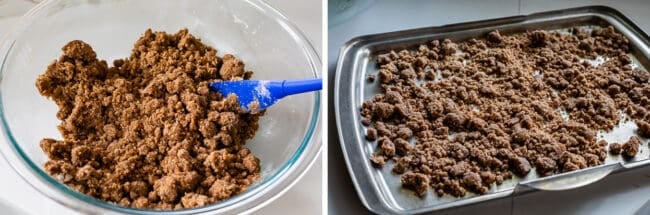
[290, 87]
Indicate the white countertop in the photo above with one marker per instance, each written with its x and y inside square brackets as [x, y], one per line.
[622, 193]
[18, 197]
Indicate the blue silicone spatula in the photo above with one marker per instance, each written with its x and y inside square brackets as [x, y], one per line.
[265, 92]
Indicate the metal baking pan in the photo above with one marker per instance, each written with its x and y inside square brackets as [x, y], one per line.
[380, 190]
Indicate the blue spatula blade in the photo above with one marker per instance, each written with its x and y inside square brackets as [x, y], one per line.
[265, 93]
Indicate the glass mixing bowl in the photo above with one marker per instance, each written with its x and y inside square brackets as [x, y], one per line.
[287, 142]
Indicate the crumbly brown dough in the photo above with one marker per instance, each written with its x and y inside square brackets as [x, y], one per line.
[479, 110]
[371, 134]
[147, 132]
[416, 181]
[643, 128]
[371, 77]
[615, 148]
[631, 147]
[520, 166]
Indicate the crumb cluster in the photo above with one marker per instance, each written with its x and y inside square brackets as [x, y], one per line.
[147, 132]
[480, 110]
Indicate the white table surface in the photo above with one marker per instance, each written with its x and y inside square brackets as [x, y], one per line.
[18, 197]
[618, 194]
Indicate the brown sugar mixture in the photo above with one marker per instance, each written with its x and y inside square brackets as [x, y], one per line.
[147, 132]
[460, 117]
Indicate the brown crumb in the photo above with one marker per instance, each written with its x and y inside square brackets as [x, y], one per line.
[545, 166]
[631, 147]
[538, 38]
[417, 182]
[615, 148]
[387, 147]
[371, 134]
[521, 166]
[643, 128]
[371, 77]
[473, 181]
[494, 36]
[377, 160]
[147, 132]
